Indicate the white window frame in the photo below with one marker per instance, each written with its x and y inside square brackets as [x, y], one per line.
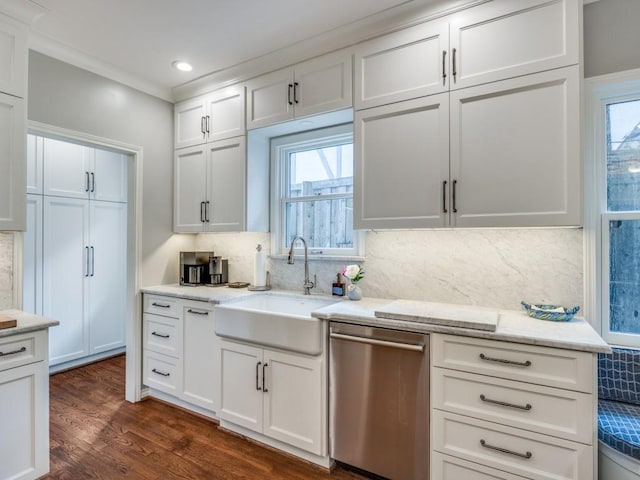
[599, 92]
[281, 147]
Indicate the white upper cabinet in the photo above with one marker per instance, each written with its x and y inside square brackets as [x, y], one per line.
[402, 164]
[320, 85]
[521, 168]
[12, 162]
[13, 58]
[407, 64]
[216, 116]
[505, 39]
[210, 187]
[76, 171]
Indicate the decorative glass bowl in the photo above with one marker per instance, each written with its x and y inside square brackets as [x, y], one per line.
[555, 313]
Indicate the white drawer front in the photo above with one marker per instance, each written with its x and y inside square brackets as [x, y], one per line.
[551, 411]
[162, 334]
[22, 349]
[506, 448]
[445, 467]
[165, 306]
[161, 372]
[553, 367]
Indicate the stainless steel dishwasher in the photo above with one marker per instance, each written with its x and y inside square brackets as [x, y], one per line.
[379, 400]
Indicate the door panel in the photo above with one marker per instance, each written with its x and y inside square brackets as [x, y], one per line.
[226, 185]
[190, 192]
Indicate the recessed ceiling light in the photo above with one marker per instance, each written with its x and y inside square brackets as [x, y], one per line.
[182, 66]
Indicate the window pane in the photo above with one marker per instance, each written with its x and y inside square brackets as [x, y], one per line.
[623, 156]
[624, 276]
[320, 171]
[322, 223]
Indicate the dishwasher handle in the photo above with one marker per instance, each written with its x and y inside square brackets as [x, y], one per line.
[381, 343]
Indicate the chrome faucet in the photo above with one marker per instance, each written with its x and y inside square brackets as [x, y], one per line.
[308, 284]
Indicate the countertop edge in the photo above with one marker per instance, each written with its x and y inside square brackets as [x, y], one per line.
[27, 322]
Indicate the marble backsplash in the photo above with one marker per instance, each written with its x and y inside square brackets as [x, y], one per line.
[6, 270]
[490, 267]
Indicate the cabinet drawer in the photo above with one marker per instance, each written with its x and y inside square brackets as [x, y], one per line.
[551, 411]
[165, 306]
[162, 334]
[161, 372]
[445, 467]
[552, 367]
[531, 455]
[22, 349]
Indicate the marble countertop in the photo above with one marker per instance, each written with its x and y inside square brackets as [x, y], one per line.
[27, 322]
[513, 326]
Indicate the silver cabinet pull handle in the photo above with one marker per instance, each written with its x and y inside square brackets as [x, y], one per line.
[453, 60]
[202, 127]
[444, 196]
[14, 352]
[258, 387]
[93, 182]
[206, 211]
[382, 343]
[506, 404]
[289, 94]
[164, 374]
[504, 450]
[202, 212]
[295, 92]
[444, 65]
[197, 312]
[526, 363]
[161, 335]
[161, 305]
[264, 375]
[86, 251]
[207, 123]
[86, 181]
[93, 261]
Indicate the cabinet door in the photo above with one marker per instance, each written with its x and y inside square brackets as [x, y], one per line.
[404, 144]
[226, 113]
[505, 39]
[35, 181]
[199, 381]
[13, 58]
[24, 416]
[66, 271]
[240, 380]
[189, 118]
[323, 85]
[190, 189]
[107, 275]
[270, 99]
[521, 168]
[293, 400]
[67, 169]
[226, 164]
[12, 164]
[403, 65]
[109, 176]
[32, 257]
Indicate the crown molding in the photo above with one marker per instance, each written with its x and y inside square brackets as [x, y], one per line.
[24, 11]
[64, 53]
[402, 16]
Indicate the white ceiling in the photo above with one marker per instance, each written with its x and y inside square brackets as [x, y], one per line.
[141, 38]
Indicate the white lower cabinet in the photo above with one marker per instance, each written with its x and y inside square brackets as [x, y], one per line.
[507, 411]
[24, 407]
[271, 392]
[179, 359]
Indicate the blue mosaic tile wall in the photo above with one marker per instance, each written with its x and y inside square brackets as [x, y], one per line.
[619, 375]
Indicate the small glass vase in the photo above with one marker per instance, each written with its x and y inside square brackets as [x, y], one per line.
[354, 292]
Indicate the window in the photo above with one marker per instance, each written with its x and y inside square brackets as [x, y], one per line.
[313, 191]
[615, 113]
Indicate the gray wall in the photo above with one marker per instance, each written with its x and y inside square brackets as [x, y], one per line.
[611, 36]
[69, 97]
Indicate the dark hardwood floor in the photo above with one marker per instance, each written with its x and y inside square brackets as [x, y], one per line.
[96, 434]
